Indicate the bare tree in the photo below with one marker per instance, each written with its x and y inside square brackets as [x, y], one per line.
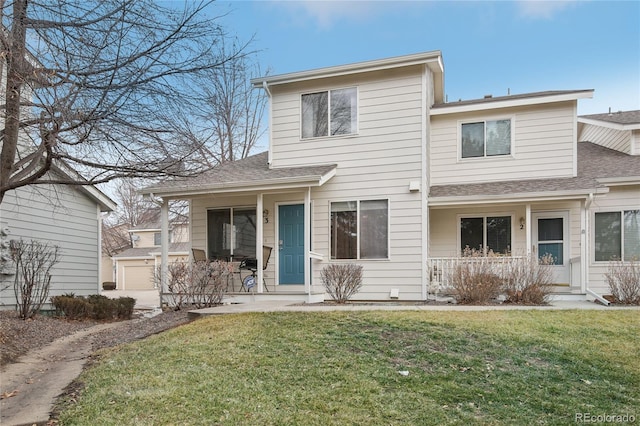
[95, 85]
[226, 121]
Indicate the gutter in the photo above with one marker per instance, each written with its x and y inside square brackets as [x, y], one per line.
[265, 86]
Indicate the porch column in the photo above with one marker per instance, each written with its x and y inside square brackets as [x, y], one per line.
[528, 228]
[259, 239]
[307, 241]
[584, 243]
[164, 244]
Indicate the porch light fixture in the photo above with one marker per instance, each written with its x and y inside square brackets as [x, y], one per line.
[265, 215]
[522, 223]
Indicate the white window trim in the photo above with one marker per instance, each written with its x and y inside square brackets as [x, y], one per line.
[330, 136]
[358, 200]
[593, 233]
[484, 119]
[233, 236]
[484, 227]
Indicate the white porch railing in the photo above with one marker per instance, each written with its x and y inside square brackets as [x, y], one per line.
[441, 268]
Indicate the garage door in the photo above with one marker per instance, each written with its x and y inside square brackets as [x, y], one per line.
[138, 277]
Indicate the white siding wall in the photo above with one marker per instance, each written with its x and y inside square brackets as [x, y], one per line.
[544, 146]
[618, 199]
[620, 140]
[377, 163]
[61, 216]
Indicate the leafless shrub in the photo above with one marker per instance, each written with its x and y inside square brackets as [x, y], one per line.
[475, 279]
[528, 279]
[342, 281]
[34, 261]
[624, 280]
[196, 285]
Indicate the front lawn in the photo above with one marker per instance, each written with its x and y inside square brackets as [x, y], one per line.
[374, 368]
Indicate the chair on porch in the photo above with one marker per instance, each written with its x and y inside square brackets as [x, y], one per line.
[252, 265]
[199, 255]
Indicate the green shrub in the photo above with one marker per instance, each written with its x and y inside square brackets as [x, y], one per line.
[95, 306]
[124, 307]
[71, 307]
[102, 308]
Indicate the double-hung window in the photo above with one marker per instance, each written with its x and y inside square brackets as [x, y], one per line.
[486, 233]
[360, 229]
[330, 113]
[486, 138]
[617, 235]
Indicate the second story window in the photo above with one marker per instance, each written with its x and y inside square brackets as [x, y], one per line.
[486, 138]
[329, 113]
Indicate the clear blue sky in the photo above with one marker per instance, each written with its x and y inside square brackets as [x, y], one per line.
[487, 47]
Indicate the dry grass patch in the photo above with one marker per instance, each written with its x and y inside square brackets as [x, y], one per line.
[500, 367]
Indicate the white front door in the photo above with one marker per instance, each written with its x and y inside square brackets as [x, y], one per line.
[551, 237]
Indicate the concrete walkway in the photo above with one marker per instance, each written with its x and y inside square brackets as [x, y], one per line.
[288, 306]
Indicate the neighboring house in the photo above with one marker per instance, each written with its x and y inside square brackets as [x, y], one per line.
[368, 164]
[61, 215]
[135, 267]
[66, 216]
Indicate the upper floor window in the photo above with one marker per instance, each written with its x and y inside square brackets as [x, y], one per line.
[617, 235]
[329, 113]
[486, 138]
[157, 238]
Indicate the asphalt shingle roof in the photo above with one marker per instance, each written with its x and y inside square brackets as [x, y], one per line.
[146, 251]
[594, 162]
[620, 117]
[505, 98]
[252, 170]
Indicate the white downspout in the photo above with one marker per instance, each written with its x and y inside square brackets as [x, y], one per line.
[585, 242]
[424, 186]
[265, 86]
[307, 242]
[164, 243]
[99, 249]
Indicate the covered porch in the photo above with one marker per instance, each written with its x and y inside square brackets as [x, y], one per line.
[246, 211]
[511, 229]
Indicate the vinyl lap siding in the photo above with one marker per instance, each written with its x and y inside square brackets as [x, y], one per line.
[619, 140]
[377, 163]
[618, 199]
[59, 216]
[543, 146]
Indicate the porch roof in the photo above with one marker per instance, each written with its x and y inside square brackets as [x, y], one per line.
[249, 174]
[598, 168]
[174, 248]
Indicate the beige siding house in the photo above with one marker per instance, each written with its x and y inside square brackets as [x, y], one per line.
[368, 164]
[134, 268]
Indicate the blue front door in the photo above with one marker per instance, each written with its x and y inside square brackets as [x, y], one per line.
[291, 244]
